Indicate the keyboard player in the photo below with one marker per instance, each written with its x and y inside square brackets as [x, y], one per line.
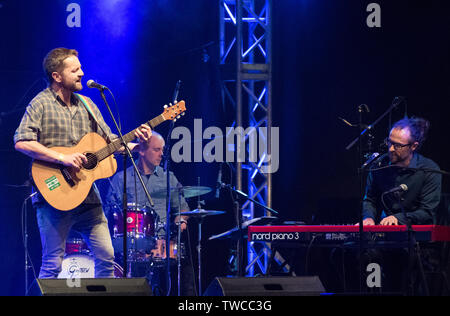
[393, 192]
[419, 191]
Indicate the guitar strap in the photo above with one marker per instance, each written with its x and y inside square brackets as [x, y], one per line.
[91, 112]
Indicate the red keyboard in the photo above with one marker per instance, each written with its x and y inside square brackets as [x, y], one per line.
[346, 233]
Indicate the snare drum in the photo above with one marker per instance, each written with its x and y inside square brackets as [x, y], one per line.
[81, 266]
[141, 222]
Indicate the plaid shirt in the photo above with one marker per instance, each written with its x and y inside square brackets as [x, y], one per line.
[49, 121]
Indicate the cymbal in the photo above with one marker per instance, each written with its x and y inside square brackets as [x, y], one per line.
[188, 192]
[193, 191]
[201, 213]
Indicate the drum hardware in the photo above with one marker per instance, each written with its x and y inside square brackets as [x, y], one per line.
[141, 222]
[138, 246]
[200, 214]
[141, 227]
[158, 254]
[178, 245]
[76, 245]
[186, 192]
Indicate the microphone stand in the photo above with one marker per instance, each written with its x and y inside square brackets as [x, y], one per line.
[167, 170]
[238, 212]
[179, 243]
[361, 190]
[411, 243]
[25, 239]
[395, 103]
[411, 233]
[124, 207]
[125, 216]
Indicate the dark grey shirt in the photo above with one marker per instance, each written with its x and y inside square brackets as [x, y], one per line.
[419, 201]
[155, 183]
[50, 122]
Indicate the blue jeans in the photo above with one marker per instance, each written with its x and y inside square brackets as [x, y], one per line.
[88, 220]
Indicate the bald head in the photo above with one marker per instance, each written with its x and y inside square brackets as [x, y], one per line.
[156, 135]
[152, 153]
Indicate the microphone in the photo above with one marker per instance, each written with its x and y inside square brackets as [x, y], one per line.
[92, 84]
[219, 181]
[398, 100]
[400, 188]
[365, 107]
[370, 160]
[378, 160]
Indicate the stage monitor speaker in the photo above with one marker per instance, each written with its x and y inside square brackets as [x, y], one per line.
[91, 287]
[266, 286]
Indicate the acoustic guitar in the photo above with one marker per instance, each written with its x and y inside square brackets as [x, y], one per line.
[64, 188]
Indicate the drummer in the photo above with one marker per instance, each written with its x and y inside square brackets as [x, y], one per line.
[155, 180]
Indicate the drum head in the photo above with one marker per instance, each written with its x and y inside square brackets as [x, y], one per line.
[80, 266]
[77, 266]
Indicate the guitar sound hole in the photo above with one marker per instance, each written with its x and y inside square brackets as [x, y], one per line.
[92, 161]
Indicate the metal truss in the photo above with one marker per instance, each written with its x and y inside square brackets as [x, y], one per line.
[246, 70]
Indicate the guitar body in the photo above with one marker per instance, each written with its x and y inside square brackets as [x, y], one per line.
[66, 194]
[65, 189]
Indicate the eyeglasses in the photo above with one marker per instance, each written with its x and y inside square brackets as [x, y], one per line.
[397, 146]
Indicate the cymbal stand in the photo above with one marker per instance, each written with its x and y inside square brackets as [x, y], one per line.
[199, 245]
[168, 198]
[180, 191]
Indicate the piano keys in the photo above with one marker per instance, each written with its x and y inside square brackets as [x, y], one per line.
[346, 233]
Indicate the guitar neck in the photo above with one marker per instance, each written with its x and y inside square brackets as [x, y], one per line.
[117, 144]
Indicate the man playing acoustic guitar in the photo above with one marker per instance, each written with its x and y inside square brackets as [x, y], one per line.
[58, 116]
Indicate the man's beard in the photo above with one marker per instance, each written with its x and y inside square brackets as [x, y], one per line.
[395, 159]
[73, 86]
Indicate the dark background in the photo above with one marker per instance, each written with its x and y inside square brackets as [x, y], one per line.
[326, 62]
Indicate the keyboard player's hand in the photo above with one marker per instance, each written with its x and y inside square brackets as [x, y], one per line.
[390, 220]
[367, 222]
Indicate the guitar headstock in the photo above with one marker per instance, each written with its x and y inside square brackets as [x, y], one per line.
[174, 112]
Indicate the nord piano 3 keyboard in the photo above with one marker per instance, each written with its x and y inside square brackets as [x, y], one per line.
[344, 233]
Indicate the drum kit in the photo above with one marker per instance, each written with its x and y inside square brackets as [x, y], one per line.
[146, 247]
